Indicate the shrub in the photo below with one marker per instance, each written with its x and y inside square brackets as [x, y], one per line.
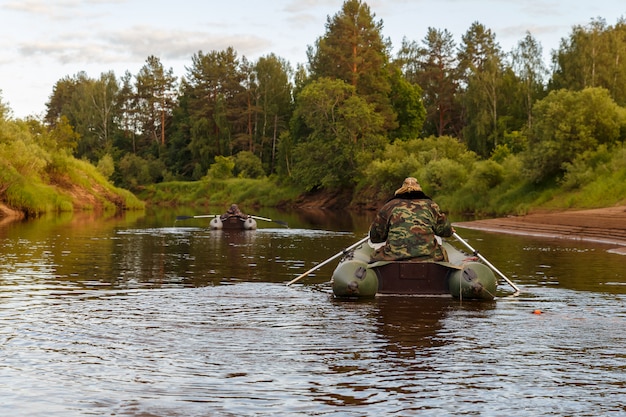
[106, 167]
[222, 168]
[248, 165]
[134, 171]
[444, 176]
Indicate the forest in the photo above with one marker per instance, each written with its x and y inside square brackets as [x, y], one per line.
[484, 130]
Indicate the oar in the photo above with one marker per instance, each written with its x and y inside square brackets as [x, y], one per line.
[270, 220]
[475, 252]
[202, 216]
[346, 250]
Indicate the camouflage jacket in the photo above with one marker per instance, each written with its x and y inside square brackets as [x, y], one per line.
[408, 224]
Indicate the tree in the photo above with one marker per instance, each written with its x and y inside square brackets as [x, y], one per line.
[480, 62]
[155, 87]
[244, 127]
[406, 99]
[63, 135]
[593, 56]
[274, 102]
[62, 93]
[433, 68]
[213, 93]
[341, 127]
[5, 110]
[104, 99]
[529, 67]
[568, 123]
[89, 107]
[353, 50]
[128, 119]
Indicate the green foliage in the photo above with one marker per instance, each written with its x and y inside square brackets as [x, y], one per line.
[248, 165]
[444, 176]
[524, 84]
[432, 66]
[276, 106]
[406, 99]
[38, 179]
[587, 167]
[222, 168]
[64, 135]
[480, 62]
[82, 113]
[589, 58]
[512, 165]
[353, 51]
[27, 158]
[106, 166]
[516, 141]
[209, 192]
[342, 128]
[569, 123]
[215, 95]
[440, 165]
[500, 153]
[463, 183]
[154, 100]
[134, 171]
[486, 175]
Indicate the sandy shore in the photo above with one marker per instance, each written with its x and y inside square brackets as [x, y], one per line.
[606, 225]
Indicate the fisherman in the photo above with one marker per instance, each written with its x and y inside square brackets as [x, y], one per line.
[233, 211]
[408, 224]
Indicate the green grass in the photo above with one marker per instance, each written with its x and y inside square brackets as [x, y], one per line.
[250, 192]
[36, 179]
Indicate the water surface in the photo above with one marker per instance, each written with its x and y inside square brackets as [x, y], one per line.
[144, 316]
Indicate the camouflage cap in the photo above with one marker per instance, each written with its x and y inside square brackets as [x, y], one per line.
[410, 184]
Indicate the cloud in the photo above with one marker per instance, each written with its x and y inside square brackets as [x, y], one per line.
[136, 44]
[142, 41]
[64, 10]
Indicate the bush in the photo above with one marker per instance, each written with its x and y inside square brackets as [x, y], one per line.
[487, 175]
[106, 166]
[568, 124]
[444, 176]
[440, 164]
[586, 167]
[248, 165]
[222, 168]
[134, 171]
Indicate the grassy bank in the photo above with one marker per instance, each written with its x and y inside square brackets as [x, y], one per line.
[475, 196]
[244, 191]
[65, 184]
[36, 177]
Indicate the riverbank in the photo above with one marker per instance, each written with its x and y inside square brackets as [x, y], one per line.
[604, 225]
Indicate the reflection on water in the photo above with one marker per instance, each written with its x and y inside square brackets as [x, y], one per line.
[143, 317]
[565, 263]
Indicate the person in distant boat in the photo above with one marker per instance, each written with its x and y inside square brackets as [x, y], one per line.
[233, 211]
[408, 224]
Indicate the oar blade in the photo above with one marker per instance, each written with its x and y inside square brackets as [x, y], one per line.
[200, 216]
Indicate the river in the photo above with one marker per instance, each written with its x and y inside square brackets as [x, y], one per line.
[142, 315]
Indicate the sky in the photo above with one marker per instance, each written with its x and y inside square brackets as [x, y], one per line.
[43, 41]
